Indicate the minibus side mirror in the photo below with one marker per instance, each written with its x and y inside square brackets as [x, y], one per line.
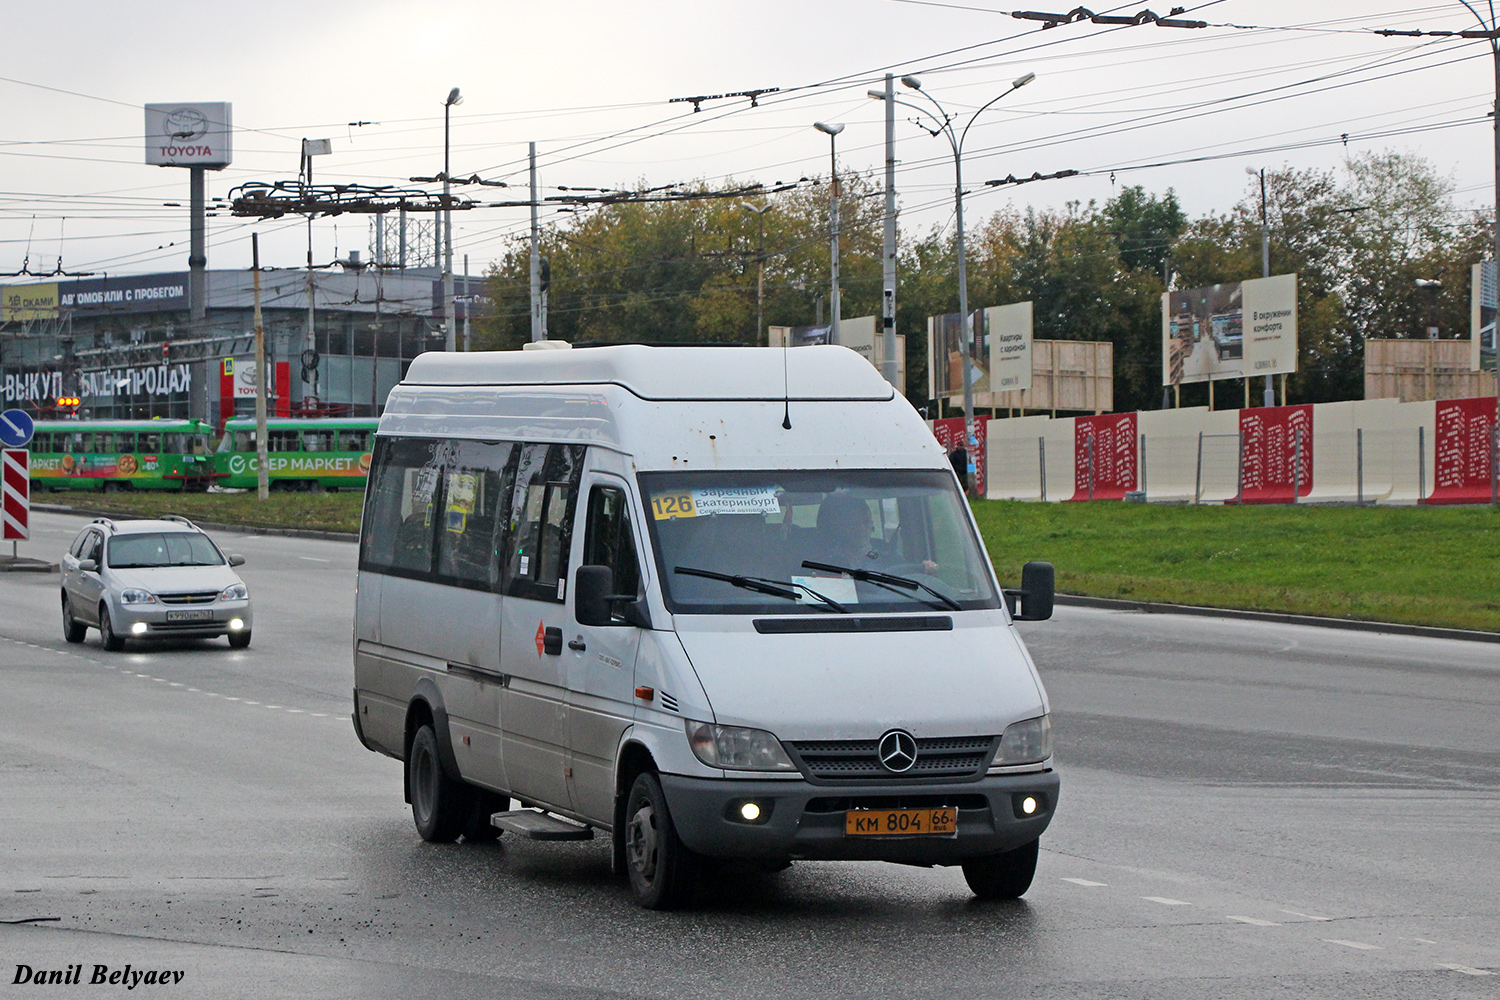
[1038, 581]
[593, 603]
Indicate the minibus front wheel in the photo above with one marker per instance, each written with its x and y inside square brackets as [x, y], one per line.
[1002, 876]
[663, 872]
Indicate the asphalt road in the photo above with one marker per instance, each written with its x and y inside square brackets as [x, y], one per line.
[1248, 810]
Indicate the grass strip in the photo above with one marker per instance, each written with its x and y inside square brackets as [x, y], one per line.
[316, 512]
[1437, 566]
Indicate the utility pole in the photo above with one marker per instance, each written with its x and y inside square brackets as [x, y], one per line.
[889, 367]
[447, 215]
[1268, 398]
[538, 317]
[835, 311]
[760, 258]
[468, 305]
[262, 476]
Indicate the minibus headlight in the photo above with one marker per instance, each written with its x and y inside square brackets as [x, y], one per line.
[1027, 742]
[235, 592]
[736, 749]
[136, 596]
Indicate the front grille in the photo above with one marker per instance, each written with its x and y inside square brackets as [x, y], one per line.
[844, 804]
[198, 597]
[185, 626]
[942, 757]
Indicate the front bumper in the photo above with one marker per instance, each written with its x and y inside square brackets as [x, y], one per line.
[221, 614]
[801, 820]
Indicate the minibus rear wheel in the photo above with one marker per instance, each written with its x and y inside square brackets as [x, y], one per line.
[1002, 876]
[439, 804]
[663, 872]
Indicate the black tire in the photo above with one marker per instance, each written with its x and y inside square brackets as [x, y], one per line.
[439, 803]
[73, 629]
[477, 826]
[107, 635]
[1003, 876]
[663, 873]
[240, 639]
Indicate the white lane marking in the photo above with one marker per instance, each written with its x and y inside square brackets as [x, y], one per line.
[1354, 944]
[319, 715]
[314, 559]
[1253, 921]
[249, 702]
[1305, 916]
[1467, 970]
[1085, 882]
[1422, 941]
[175, 684]
[1167, 901]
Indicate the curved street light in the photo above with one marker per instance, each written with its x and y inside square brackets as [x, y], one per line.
[943, 125]
[449, 332]
[834, 308]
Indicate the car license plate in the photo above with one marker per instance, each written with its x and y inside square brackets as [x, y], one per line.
[194, 615]
[900, 822]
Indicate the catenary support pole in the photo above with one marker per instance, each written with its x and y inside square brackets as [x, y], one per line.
[888, 244]
[538, 321]
[262, 474]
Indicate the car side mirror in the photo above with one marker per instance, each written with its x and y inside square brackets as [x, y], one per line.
[593, 604]
[88, 566]
[1033, 602]
[235, 559]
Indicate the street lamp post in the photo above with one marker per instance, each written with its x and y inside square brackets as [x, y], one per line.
[1269, 397]
[449, 332]
[835, 311]
[760, 259]
[956, 141]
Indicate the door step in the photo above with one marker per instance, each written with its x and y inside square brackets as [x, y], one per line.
[535, 825]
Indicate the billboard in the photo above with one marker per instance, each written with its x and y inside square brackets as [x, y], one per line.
[1233, 330]
[1482, 309]
[796, 336]
[945, 373]
[18, 302]
[1008, 337]
[1461, 452]
[189, 135]
[859, 335]
[1276, 453]
[1105, 456]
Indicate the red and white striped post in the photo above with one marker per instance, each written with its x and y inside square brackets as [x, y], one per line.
[15, 495]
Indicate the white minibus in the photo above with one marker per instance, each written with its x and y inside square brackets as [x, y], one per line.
[715, 603]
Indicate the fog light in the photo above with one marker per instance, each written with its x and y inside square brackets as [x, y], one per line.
[750, 812]
[1028, 805]
[139, 628]
[236, 624]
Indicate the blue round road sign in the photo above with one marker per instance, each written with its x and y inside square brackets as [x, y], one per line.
[15, 428]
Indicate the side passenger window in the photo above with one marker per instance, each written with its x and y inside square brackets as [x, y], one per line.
[608, 540]
[400, 520]
[94, 548]
[476, 495]
[541, 518]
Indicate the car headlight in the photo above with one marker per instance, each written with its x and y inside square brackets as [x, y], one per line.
[1026, 742]
[136, 596]
[235, 592]
[736, 749]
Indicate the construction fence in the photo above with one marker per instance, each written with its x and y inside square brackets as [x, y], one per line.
[1360, 452]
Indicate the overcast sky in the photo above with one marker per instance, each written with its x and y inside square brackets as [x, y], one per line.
[1269, 83]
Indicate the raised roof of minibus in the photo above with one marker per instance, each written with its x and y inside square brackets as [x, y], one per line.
[672, 407]
[668, 373]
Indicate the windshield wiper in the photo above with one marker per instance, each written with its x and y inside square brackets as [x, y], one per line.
[760, 585]
[888, 580]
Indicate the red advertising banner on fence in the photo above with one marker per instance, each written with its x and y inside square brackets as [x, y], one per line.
[949, 432]
[1104, 456]
[1462, 451]
[1276, 463]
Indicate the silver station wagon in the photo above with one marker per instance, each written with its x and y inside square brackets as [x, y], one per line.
[152, 579]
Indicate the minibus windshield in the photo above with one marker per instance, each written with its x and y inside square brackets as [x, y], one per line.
[817, 541]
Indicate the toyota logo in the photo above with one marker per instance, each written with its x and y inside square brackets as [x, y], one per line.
[897, 751]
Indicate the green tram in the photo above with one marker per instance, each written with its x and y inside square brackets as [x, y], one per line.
[114, 455]
[302, 453]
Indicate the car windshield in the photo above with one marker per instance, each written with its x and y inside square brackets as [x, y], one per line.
[167, 548]
[882, 540]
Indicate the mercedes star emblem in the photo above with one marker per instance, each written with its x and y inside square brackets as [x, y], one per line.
[897, 751]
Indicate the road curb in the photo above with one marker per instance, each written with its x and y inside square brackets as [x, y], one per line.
[242, 529]
[25, 564]
[1351, 624]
